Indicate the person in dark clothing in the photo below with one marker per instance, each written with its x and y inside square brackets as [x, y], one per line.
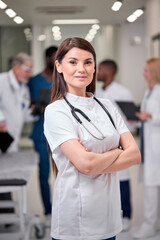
[40, 86]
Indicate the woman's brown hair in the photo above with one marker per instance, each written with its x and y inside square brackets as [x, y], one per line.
[59, 87]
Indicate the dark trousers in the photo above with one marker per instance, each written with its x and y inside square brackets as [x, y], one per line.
[44, 169]
[125, 198]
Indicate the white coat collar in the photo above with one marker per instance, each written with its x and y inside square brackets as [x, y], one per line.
[13, 81]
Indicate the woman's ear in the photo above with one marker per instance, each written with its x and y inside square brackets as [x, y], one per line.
[58, 66]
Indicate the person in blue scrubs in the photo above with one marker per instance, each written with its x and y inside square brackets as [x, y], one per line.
[37, 84]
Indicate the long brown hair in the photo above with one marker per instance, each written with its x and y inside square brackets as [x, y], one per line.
[59, 87]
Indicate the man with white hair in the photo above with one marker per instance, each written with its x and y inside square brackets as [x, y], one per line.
[15, 98]
[14, 102]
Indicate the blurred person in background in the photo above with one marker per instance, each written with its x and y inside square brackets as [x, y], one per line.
[115, 91]
[14, 103]
[40, 89]
[150, 117]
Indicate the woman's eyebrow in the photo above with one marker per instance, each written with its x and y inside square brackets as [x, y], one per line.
[77, 59]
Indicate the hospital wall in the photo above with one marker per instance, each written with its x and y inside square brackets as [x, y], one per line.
[130, 44]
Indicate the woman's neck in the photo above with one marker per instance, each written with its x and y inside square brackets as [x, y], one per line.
[80, 93]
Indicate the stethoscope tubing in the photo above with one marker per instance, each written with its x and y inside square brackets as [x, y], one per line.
[74, 110]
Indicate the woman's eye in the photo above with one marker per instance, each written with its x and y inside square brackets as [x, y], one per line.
[88, 62]
[73, 62]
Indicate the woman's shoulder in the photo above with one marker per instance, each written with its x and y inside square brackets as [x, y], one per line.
[157, 87]
[55, 106]
[156, 91]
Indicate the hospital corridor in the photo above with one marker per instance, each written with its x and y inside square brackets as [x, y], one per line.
[79, 119]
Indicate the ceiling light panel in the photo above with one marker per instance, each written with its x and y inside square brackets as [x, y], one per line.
[75, 21]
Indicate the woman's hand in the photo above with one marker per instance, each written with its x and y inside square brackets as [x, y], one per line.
[143, 116]
[3, 127]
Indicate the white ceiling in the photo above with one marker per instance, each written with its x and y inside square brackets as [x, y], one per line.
[99, 9]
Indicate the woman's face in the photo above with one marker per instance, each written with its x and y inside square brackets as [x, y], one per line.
[78, 67]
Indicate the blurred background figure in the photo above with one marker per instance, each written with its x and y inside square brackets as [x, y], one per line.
[150, 117]
[15, 98]
[116, 92]
[40, 89]
[14, 103]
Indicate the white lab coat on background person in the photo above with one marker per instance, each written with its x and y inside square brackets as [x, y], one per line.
[150, 117]
[15, 98]
[151, 104]
[14, 106]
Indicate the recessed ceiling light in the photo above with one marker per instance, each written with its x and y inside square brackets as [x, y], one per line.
[117, 5]
[2, 5]
[131, 18]
[95, 26]
[41, 37]
[10, 12]
[75, 21]
[138, 12]
[18, 20]
[55, 29]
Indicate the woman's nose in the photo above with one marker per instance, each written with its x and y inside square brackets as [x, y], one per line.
[81, 67]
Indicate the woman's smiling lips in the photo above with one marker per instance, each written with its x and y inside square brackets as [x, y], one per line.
[80, 77]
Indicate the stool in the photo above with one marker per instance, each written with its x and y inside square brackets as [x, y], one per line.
[12, 185]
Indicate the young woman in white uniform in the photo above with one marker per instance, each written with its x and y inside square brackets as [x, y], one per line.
[86, 200]
[150, 115]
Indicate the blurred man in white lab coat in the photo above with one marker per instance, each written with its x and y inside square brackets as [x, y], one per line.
[15, 98]
[116, 92]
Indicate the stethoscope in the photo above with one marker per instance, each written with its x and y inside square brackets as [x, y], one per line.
[74, 110]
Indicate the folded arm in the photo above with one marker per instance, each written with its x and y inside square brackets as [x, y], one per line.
[99, 163]
[129, 157]
[88, 162]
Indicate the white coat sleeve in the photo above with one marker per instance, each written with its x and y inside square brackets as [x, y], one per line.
[58, 127]
[155, 112]
[27, 112]
[2, 117]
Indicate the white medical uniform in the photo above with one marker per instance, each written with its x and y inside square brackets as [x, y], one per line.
[85, 207]
[116, 92]
[14, 103]
[151, 104]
